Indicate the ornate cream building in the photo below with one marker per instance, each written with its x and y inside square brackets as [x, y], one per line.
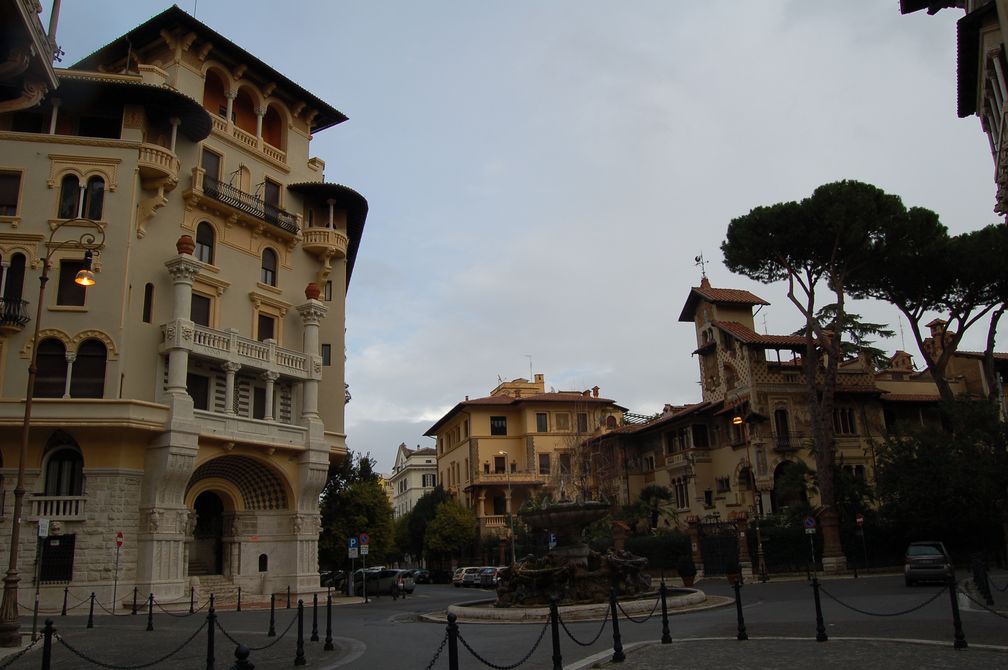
[193, 399]
[496, 452]
[413, 475]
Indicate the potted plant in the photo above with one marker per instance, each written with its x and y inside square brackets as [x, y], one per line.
[687, 570]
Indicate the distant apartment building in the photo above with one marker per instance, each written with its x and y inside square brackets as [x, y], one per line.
[521, 442]
[193, 399]
[413, 475]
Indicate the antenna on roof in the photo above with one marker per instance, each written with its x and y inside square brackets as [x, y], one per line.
[765, 331]
[699, 261]
[902, 342]
[529, 356]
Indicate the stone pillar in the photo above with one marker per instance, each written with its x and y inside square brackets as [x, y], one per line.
[693, 530]
[741, 524]
[230, 370]
[230, 95]
[183, 268]
[55, 115]
[260, 112]
[270, 378]
[175, 122]
[71, 356]
[312, 313]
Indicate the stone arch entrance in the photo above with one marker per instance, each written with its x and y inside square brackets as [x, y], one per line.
[206, 555]
[788, 490]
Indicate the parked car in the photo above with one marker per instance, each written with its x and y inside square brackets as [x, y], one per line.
[457, 577]
[470, 576]
[405, 580]
[927, 561]
[379, 581]
[422, 576]
[489, 577]
[332, 578]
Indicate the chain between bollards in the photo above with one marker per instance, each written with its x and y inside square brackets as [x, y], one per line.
[90, 616]
[555, 633]
[959, 637]
[820, 626]
[314, 618]
[272, 626]
[742, 634]
[666, 638]
[453, 658]
[618, 655]
[211, 625]
[299, 657]
[328, 646]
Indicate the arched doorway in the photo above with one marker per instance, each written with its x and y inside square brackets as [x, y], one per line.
[789, 486]
[206, 556]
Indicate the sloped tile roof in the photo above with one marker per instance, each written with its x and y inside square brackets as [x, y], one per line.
[749, 336]
[718, 296]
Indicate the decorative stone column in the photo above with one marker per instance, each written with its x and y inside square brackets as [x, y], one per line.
[230, 370]
[183, 269]
[230, 95]
[71, 356]
[260, 112]
[312, 313]
[270, 378]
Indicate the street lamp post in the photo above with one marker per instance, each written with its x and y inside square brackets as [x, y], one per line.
[757, 504]
[507, 472]
[91, 241]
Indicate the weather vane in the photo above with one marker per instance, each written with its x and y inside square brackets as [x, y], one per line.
[702, 264]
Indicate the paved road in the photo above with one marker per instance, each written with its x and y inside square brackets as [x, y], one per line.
[779, 616]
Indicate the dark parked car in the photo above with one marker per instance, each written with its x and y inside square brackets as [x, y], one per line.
[421, 576]
[334, 578]
[379, 581]
[489, 577]
[927, 561]
[404, 580]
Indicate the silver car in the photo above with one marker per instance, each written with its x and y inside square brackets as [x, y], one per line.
[926, 561]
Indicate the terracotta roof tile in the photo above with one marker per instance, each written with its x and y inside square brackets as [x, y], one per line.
[722, 296]
[749, 336]
[911, 397]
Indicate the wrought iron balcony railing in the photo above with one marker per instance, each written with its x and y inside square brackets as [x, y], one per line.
[13, 313]
[250, 204]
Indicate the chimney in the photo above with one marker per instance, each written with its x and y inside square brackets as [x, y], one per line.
[467, 398]
[595, 390]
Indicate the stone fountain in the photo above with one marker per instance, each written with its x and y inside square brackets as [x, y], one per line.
[571, 571]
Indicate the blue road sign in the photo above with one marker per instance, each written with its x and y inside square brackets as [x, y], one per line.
[810, 525]
[364, 539]
[351, 543]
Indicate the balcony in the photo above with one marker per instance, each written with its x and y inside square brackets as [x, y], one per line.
[159, 167]
[230, 347]
[789, 442]
[13, 315]
[515, 478]
[56, 508]
[246, 208]
[494, 521]
[325, 243]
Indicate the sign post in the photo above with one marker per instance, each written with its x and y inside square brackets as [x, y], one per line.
[351, 554]
[364, 540]
[115, 574]
[859, 519]
[43, 533]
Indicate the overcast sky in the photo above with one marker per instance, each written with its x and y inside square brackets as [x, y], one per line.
[541, 174]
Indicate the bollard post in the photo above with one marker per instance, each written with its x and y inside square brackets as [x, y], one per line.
[555, 633]
[272, 629]
[241, 658]
[150, 612]
[211, 621]
[288, 596]
[452, 642]
[238, 609]
[742, 634]
[314, 618]
[134, 610]
[665, 637]
[66, 591]
[47, 633]
[192, 600]
[960, 638]
[617, 645]
[820, 626]
[299, 658]
[90, 616]
[328, 646]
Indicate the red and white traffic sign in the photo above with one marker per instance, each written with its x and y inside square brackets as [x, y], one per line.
[364, 539]
[859, 519]
[119, 539]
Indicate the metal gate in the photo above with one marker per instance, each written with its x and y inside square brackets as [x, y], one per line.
[718, 546]
[57, 558]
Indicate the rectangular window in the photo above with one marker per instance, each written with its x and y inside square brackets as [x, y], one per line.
[258, 403]
[544, 464]
[723, 484]
[708, 498]
[211, 164]
[326, 354]
[199, 310]
[564, 463]
[266, 329]
[700, 437]
[327, 291]
[562, 421]
[10, 189]
[198, 388]
[498, 425]
[70, 292]
[148, 302]
[582, 419]
[649, 464]
[499, 505]
[499, 465]
[541, 423]
[843, 421]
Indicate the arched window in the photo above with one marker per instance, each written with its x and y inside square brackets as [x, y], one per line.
[214, 99]
[263, 562]
[272, 128]
[88, 377]
[244, 113]
[64, 473]
[269, 267]
[77, 202]
[70, 197]
[12, 280]
[50, 380]
[205, 242]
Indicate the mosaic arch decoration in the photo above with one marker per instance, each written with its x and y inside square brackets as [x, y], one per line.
[260, 487]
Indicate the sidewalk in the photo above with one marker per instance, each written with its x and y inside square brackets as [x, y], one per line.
[799, 653]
